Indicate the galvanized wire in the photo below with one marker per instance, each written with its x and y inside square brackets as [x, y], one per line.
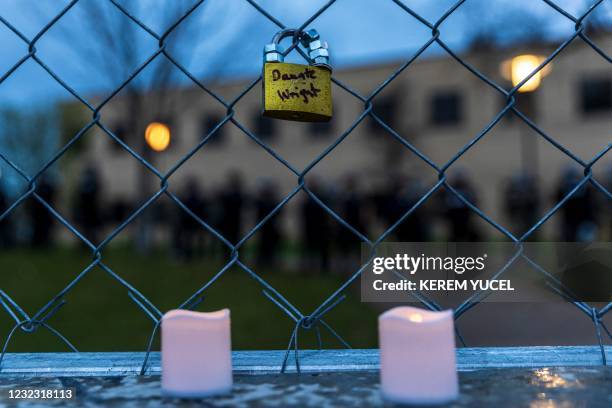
[313, 319]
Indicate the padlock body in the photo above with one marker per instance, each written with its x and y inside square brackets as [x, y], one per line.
[297, 92]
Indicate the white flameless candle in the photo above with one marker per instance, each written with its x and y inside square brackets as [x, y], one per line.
[196, 353]
[417, 356]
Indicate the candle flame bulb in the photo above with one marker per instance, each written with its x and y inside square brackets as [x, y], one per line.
[417, 318]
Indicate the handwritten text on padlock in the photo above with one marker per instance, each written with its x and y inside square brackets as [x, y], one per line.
[294, 91]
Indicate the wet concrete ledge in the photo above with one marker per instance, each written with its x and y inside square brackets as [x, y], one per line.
[509, 387]
[311, 361]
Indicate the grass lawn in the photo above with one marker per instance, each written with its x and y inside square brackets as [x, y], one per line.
[99, 315]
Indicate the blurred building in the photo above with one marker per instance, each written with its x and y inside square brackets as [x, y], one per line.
[436, 104]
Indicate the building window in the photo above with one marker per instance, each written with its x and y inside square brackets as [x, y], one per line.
[386, 110]
[525, 103]
[264, 128]
[596, 95]
[321, 129]
[208, 124]
[446, 109]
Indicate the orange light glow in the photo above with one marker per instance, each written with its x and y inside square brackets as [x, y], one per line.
[521, 67]
[157, 136]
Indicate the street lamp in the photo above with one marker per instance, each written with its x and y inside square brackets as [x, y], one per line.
[516, 69]
[519, 67]
[157, 136]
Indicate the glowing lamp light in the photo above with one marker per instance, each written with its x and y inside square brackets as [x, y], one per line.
[518, 68]
[157, 136]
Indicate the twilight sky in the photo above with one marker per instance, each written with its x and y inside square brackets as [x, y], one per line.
[358, 32]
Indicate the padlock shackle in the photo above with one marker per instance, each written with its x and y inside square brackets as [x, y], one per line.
[281, 35]
[318, 54]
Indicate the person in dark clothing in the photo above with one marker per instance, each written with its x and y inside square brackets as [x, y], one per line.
[414, 227]
[399, 197]
[188, 232]
[269, 234]
[5, 225]
[579, 213]
[231, 202]
[353, 206]
[316, 229]
[87, 206]
[607, 213]
[119, 211]
[40, 216]
[457, 213]
[384, 203]
[522, 203]
[352, 210]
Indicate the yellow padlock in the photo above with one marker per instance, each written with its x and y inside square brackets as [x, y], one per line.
[296, 91]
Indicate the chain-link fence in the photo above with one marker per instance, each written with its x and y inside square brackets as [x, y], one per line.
[304, 320]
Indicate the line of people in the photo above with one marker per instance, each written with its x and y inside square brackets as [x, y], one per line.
[367, 213]
[370, 214]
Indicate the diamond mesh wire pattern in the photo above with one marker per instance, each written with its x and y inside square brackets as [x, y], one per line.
[313, 320]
